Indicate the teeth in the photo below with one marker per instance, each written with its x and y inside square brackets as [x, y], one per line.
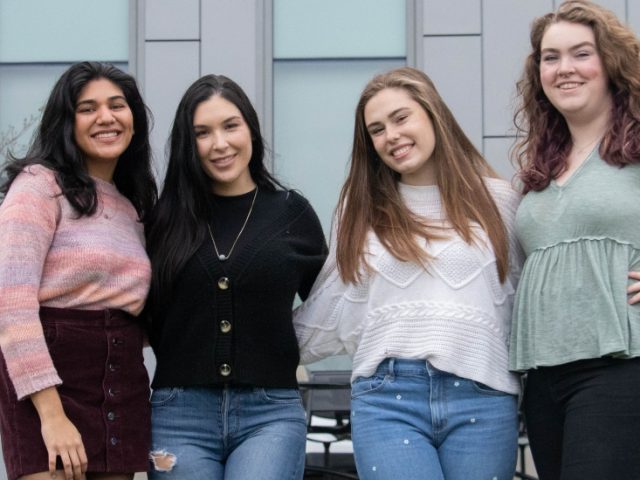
[401, 151]
[106, 135]
[567, 86]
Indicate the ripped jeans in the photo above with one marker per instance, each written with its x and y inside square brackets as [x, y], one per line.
[411, 421]
[227, 433]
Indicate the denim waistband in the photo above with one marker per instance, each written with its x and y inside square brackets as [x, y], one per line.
[403, 366]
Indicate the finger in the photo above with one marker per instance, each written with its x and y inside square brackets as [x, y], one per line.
[635, 299]
[52, 464]
[634, 275]
[84, 462]
[66, 463]
[634, 287]
[76, 465]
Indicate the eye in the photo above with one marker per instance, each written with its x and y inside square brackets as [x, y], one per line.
[85, 109]
[549, 58]
[583, 54]
[231, 126]
[402, 118]
[118, 106]
[374, 132]
[200, 133]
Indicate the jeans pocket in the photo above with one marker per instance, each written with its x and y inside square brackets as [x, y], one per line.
[281, 395]
[486, 389]
[162, 396]
[363, 385]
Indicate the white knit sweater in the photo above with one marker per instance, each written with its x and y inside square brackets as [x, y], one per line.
[453, 313]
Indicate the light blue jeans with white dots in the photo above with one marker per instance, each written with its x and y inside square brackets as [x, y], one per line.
[411, 421]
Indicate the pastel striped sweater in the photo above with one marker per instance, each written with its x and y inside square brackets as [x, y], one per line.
[51, 257]
[454, 313]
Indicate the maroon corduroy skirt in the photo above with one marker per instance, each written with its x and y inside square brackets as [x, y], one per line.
[105, 393]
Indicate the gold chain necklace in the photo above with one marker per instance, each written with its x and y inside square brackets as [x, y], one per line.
[221, 256]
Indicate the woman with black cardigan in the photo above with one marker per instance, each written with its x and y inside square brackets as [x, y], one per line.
[230, 249]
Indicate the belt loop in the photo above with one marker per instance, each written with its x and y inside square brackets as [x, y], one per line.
[392, 362]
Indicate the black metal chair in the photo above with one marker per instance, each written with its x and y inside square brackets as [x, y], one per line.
[327, 397]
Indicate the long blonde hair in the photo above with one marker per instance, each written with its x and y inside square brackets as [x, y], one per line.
[370, 199]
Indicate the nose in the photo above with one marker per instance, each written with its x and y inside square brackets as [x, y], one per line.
[392, 134]
[219, 141]
[566, 65]
[105, 116]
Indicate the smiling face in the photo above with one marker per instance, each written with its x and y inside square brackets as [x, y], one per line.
[103, 126]
[571, 72]
[402, 134]
[224, 145]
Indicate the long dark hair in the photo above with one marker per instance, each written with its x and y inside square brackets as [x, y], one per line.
[54, 145]
[545, 141]
[370, 199]
[178, 223]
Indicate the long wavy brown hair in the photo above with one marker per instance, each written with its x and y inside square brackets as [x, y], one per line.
[370, 199]
[545, 138]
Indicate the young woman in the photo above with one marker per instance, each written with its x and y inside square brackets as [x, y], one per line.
[418, 289]
[230, 250]
[73, 276]
[576, 331]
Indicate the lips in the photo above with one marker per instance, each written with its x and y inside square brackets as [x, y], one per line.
[106, 135]
[223, 161]
[401, 151]
[569, 85]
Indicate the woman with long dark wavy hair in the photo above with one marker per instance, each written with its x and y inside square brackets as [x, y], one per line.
[73, 275]
[230, 249]
[418, 289]
[577, 318]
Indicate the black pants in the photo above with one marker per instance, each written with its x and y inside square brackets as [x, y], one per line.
[583, 419]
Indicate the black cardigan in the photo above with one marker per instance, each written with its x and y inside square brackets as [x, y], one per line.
[279, 254]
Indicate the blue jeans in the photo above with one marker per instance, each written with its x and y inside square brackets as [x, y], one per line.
[228, 433]
[411, 421]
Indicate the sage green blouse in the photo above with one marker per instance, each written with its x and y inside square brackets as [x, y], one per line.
[581, 239]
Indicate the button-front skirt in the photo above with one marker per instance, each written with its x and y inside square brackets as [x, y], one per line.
[105, 393]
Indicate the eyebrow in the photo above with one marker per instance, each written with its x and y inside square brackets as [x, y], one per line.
[392, 114]
[92, 101]
[575, 47]
[233, 117]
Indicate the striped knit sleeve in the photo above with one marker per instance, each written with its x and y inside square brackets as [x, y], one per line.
[28, 219]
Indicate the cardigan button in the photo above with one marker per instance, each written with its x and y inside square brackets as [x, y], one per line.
[223, 283]
[225, 326]
[225, 369]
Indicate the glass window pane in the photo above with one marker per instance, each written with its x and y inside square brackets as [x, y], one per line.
[314, 104]
[68, 31]
[339, 28]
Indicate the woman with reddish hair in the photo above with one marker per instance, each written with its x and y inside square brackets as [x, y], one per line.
[576, 318]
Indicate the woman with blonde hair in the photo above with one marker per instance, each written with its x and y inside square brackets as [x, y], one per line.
[418, 289]
[576, 317]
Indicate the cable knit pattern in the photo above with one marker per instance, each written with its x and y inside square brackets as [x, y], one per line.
[453, 312]
[51, 257]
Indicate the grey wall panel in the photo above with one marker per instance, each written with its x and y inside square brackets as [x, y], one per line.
[446, 17]
[505, 27]
[172, 19]
[170, 67]
[633, 16]
[455, 66]
[497, 152]
[617, 6]
[230, 41]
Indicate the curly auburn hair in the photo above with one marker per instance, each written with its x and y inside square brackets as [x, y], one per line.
[545, 138]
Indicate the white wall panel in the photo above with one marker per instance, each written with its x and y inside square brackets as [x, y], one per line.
[451, 17]
[229, 41]
[170, 67]
[505, 44]
[455, 66]
[172, 19]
